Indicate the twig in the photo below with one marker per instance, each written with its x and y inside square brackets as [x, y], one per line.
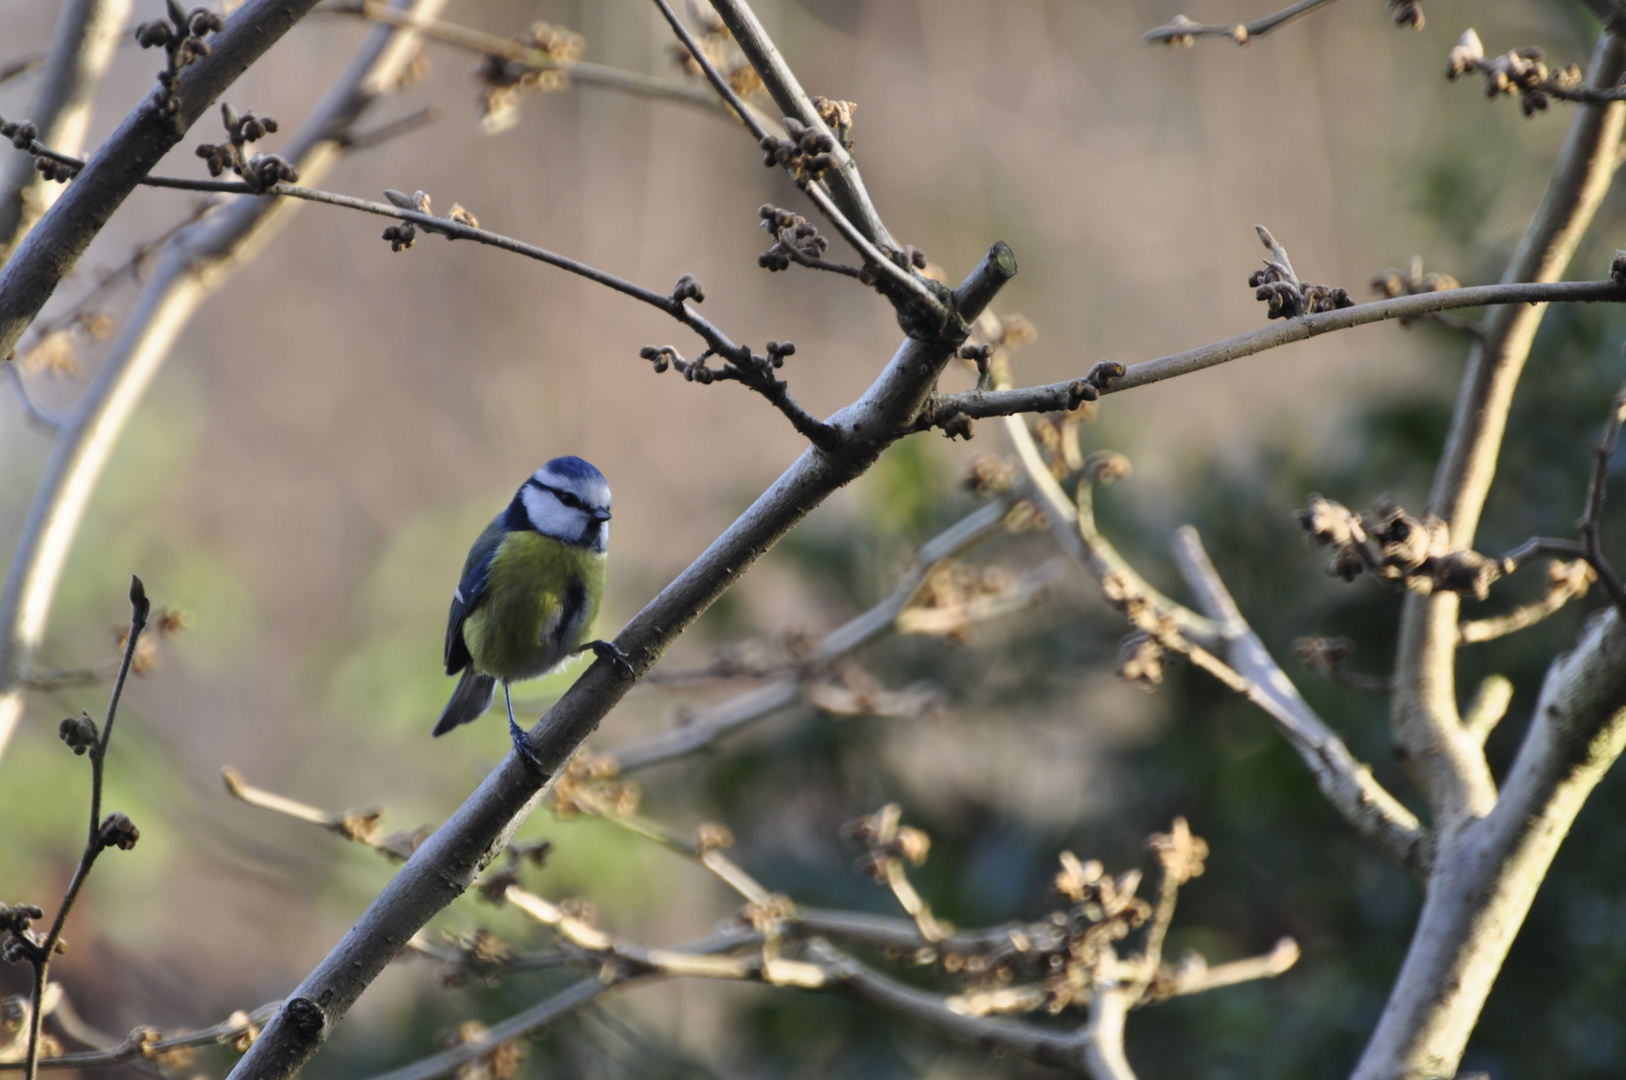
[1488, 707]
[1597, 485]
[478, 41]
[1182, 31]
[378, 136]
[758, 704]
[753, 371]
[21, 66]
[1347, 784]
[141, 1046]
[782, 84]
[1057, 396]
[1567, 581]
[115, 831]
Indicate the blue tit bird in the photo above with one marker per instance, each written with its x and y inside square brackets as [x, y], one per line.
[531, 587]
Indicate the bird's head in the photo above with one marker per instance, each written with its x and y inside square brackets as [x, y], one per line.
[569, 500]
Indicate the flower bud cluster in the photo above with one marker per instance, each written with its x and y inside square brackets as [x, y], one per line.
[259, 172]
[182, 36]
[1522, 71]
[806, 151]
[1394, 546]
[795, 238]
[79, 732]
[1287, 298]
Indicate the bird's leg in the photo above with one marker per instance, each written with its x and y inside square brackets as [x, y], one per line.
[608, 650]
[522, 744]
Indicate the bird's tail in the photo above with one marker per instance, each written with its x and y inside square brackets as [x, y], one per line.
[470, 700]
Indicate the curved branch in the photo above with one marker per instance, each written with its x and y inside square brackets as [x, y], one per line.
[1182, 31]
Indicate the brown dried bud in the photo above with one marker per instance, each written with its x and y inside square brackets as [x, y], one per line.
[79, 732]
[118, 831]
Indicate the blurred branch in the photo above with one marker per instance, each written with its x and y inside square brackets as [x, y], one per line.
[1346, 783]
[145, 1043]
[748, 708]
[1513, 297]
[1566, 581]
[478, 41]
[115, 831]
[81, 48]
[53, 247]
[195, 262]
[1182, 31]
[21, 66]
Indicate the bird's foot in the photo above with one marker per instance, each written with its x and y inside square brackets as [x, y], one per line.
[522, 746]
[608, 650]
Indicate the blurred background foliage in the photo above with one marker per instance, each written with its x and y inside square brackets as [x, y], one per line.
[305, 477]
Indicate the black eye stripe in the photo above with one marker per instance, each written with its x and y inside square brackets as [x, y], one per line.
[565, 497]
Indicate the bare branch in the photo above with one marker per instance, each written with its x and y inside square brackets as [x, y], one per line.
[1597, 486]
[1566, 581]
[81, 48]
[484, 44]
[707, 729]
[142, 1044]
[1346, 783]
[1182, 31]
[1488, 706]
[1059, 396]
[1483, 882]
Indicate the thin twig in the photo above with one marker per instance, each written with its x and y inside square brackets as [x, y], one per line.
[478, 41]
[1597, 486]
[1349, 785]
[748, 708]
[778, 78]
[1057, 396]
[40, 953]
[1568, 581]
[139, 1047]
[1182, 31]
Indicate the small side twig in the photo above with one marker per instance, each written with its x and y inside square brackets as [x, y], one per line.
[1182, 32]
[116, 831]
[1597, 482]
[40, 418]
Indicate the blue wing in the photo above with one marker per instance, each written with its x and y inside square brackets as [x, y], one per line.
[470, 591]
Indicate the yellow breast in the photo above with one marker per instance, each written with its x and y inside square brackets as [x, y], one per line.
[538, 606]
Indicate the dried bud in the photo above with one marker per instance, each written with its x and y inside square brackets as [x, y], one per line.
[687, 288]
[1140, 660]
[118, 831]
[157, 32]
[1465, 56]
[79, 732]
[17, 918]
[400, 236]
[1617, 268]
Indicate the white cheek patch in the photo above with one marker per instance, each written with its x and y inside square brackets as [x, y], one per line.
[548, 515]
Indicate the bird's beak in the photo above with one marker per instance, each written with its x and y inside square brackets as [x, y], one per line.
[601, 515]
